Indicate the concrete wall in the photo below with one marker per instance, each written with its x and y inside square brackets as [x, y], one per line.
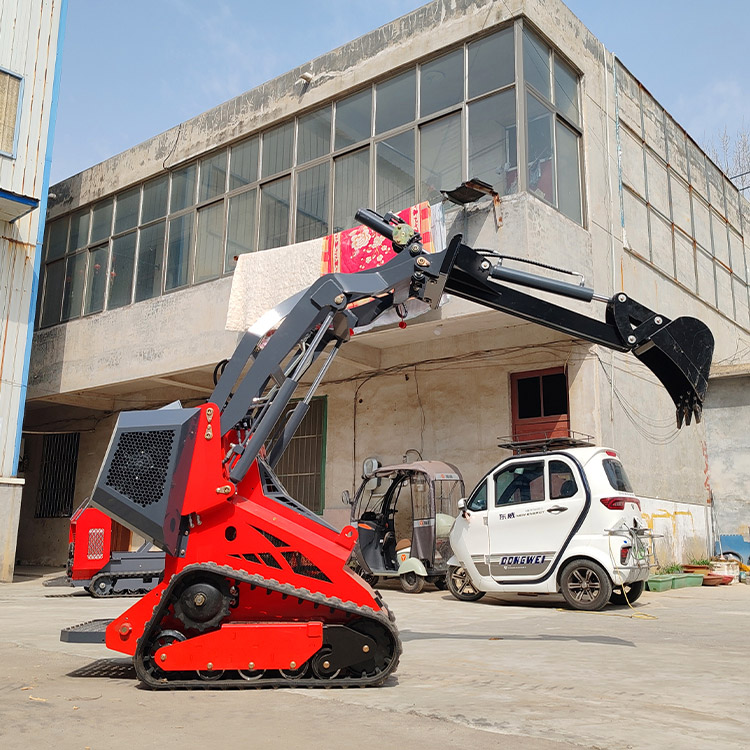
[727, 418]
[683, 531]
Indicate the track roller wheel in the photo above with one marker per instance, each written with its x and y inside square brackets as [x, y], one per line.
[251, 675]
[165, 638]
[209, 675]
[295, 673]
[321, 666]
[102, 586]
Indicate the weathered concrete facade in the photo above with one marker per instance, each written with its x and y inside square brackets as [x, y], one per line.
[28, 53]
[727, 409]
[442, 386]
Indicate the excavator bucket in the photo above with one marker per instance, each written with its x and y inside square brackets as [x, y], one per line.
[679, 354]
[677, 351]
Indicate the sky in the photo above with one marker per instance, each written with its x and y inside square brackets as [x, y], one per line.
[131, 70]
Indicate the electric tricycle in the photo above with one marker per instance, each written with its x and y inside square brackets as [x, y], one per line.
[404, 515]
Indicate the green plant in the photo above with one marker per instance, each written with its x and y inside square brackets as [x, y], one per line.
[702, 561]
[666, 569]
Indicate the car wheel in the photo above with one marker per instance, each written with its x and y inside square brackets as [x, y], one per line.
[627, 593]
[411, 582]
[460, 585]
[585, 585]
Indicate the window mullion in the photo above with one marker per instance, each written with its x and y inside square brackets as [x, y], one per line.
[522, 155]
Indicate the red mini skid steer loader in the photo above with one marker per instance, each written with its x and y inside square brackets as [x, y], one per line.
[256, 589]
[102, 571]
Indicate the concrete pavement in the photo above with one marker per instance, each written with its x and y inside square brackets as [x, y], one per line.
[516, 672]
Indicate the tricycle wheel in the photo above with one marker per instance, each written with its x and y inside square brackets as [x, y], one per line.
[460, 585]
[411, 582]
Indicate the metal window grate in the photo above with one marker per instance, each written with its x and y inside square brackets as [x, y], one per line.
[58, 476]
[300, 468]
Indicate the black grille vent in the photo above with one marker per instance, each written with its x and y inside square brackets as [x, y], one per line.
[249, 556]
[140, 465]
[304, 566]
[271, 538]
[269, 560]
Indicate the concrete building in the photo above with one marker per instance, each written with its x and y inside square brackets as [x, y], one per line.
[30, 37]
[594, 175]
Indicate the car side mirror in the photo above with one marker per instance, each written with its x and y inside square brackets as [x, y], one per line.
[346, 498]
[462, 506]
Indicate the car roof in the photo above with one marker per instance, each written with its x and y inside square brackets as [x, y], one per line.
[582, 454]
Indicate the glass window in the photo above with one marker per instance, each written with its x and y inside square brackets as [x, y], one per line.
[568, 173]
[562, 481]
[616, 475]
[395, 173]
[492, 141]
[353, 118]
[150, 260]
[57, 238]
[96, 281]
[520, 483]
[566, 91]
[243, 163]
[53, 291]
[178, 251]
[529, 398]
[554, 394]
[441, 83]
[121, 274]
[314, 135]
[541, 166]
[351, 188]
[101, 221]
[79, 230]
[240, 227]
[536, 68]
[312, 203]
[395, 101]
[183, 188]
[542, 396]
[154, 199]
[209, 246]
[277, 149]
[491, 63]
[274, 214]
[213, 176]
[126, 215]
[440, 153]
[75, 280]
[478, 499]
[10, 90]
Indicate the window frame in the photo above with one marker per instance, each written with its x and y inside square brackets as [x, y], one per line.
[255, 142]
[12, 154]
[524, 88]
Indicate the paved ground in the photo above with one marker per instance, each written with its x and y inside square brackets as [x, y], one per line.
[504, 672]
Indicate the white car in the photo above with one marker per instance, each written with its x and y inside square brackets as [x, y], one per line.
[564, 521]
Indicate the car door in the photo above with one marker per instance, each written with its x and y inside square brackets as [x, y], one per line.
[534, 506]
[469, 537]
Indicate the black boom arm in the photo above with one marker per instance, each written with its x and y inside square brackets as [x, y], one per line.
[285, 342]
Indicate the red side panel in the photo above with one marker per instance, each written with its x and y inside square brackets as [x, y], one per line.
[91, 535]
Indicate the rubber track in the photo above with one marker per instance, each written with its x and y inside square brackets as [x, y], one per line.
[122, 576]
[384, 618]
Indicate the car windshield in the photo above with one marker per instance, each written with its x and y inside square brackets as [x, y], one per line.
[616, 475]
